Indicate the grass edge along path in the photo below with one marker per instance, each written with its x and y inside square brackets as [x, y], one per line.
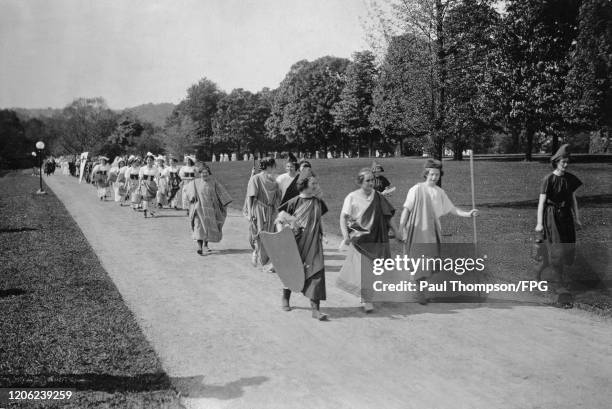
[64, 323]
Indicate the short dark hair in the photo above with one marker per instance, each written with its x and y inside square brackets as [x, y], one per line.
[305, 163]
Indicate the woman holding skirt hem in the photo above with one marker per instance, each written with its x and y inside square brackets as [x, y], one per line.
[365, 220]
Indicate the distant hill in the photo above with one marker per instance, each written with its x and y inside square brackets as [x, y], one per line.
[153, 113]
[27, 113]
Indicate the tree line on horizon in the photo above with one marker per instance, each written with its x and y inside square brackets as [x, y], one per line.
[454, 75]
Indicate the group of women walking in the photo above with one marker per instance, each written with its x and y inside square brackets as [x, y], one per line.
[367, 223]
[151, 184]
[294, 199]
[145, 184]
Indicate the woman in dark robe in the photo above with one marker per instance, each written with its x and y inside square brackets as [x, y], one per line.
[365, 220]
[557, 213]
[307, 210]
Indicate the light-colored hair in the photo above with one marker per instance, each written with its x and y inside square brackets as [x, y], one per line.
[362, 174]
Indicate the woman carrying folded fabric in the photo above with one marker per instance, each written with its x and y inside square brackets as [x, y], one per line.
[420, 221]
[148, 187]
[558, 214]
[263, 198]
[307, 210]
[99, 175]
[187, 174]
[365, 220]
[207, 210]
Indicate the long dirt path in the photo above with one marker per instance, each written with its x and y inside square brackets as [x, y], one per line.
[217, 326]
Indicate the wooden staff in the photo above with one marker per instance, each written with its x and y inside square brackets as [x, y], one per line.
[473, 194]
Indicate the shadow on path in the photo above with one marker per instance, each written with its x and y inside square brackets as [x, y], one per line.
[231, 251]
[393, 310]
[194, 387]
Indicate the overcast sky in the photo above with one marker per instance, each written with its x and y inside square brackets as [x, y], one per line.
[136, 51]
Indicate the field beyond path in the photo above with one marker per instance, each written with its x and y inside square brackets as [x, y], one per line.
[217, 326]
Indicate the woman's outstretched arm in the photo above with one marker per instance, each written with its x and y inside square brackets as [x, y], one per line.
[540, 221]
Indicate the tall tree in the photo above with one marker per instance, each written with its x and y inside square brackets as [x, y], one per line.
[471, 32]
[85, 125]
[536, 39]
[129, 137]
[589, 83]
[239, 122]
[426, 20]
[402, 99]
[301, 111]
[200, 105]
[352, 113]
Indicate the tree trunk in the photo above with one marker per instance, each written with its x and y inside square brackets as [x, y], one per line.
[529, 132]
[441, 72]
[555, 143]
[458, 152]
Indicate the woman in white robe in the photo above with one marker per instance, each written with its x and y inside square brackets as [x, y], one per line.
[420, 221]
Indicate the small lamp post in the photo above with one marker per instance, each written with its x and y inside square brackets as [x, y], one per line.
[40, 145]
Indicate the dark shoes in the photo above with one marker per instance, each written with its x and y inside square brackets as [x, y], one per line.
[285, 301]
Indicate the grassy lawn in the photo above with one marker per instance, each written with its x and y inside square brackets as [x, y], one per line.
[64, 324]
[506, 194]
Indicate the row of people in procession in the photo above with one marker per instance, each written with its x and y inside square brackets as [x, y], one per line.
[295, 199]
[153, 185]
[148, 184]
